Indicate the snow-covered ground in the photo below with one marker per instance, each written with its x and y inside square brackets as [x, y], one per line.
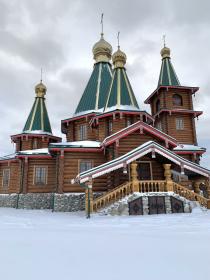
[43, 245]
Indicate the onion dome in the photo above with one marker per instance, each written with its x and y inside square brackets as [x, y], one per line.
[119, 58]
[40, 89]
[38, 120]
[168, 75]
[102, 50]
[165, 52]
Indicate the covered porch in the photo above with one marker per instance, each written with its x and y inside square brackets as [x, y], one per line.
[175, 174]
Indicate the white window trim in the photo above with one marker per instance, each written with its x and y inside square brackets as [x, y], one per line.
[82, 133]
[34, 177]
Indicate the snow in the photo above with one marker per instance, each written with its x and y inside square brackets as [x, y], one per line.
[39, 245]
[11, 156]
[35, 151]
[80, 144]
[36, 132]
[184, 147]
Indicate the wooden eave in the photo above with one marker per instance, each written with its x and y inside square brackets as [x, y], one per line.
[192, 89]
[141, 126]
[31, 135]
[175, 111]
[65, 123]
[121, 112]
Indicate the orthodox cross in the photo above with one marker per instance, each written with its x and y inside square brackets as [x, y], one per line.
[118, 39]
[41, 75]
[164, 41]
[102, 24]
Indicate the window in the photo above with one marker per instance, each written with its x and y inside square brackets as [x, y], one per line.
[40, 176]
[177, 100]
[83, 132]
[85, 165]
[179, 124]
[129, 121]
[159, 125]
[109, 127]
[6, 178]
[158, 106]
[35, 143]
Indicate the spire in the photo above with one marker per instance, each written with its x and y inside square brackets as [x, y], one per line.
[102, 50]
[168, 75]
[95, 93]
[121, 95]
[38, 120]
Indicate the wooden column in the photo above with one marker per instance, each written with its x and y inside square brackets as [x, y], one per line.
[168, 177]
[60, 172]
[90, 190]
[208, 188]
[197, 187]
[134, 177]
[25, 175]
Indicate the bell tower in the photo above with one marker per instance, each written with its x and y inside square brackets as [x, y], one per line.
[172, 104]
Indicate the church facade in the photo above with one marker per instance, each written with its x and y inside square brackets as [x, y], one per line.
[112, 148]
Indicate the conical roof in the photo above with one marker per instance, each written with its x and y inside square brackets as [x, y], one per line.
[168, 75]
[121, 95]
[95, 93]
[38, 120]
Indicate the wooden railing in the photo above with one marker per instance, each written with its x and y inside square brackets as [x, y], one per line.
[125, 189]
[112, 196]
[152, 186]
[188, 194]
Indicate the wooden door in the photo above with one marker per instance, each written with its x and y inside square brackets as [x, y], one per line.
[136, 207]
[177, 205]
[144, 171]
[156, 205]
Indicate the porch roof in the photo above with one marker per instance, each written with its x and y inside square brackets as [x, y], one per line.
[136, 153]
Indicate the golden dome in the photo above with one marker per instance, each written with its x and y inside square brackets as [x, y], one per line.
[119, 58]
[165, 52]
[102, 50]
[40, 89]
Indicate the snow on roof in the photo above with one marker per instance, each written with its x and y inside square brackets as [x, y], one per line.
[36, 132]
[43, 151]
[122, 107]
[187, 147]
[7, 157]
[78, 144]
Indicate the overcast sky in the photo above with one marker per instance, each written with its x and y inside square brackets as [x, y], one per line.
[58, 36]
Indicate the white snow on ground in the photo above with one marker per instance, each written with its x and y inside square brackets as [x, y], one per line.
[41, 245]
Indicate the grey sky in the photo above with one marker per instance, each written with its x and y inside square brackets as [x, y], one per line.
[58, 35]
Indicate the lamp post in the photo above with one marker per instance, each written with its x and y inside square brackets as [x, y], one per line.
[89, 188]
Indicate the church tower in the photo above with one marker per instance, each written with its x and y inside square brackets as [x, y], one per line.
[37, 132]
[172, 104]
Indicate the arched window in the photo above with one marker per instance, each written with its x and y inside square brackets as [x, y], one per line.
[158, 106]
[177, 100]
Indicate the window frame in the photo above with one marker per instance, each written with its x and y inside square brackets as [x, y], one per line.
[82, 161]
[82, 132]
[174, 100]
[3, 179]
[178, 122]
[46, 175]
[159, 125]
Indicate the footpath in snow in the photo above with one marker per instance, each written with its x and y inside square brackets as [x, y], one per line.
[41, 245]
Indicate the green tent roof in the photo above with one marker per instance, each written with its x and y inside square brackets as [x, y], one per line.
[168, 75]
[95, 93]
[121, 95]
[38, 119]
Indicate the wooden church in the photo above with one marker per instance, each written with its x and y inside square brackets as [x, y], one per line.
[112, 148]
